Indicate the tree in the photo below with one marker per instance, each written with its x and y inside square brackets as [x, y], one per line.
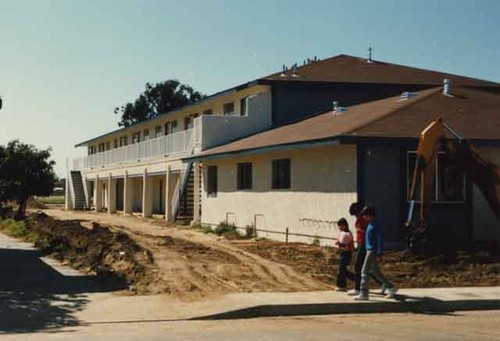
[157, 99]
[25, 171]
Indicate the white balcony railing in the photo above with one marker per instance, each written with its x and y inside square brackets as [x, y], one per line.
[175, 144]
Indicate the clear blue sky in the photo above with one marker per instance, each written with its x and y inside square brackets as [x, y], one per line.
[65, 65]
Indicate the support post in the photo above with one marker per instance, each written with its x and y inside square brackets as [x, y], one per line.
[168, 196]
[147, 207]
[196, 194]
[128, 196]
[111, 194]
[97, 194]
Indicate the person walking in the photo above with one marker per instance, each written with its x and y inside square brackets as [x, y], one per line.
[345, 243]
[374, 252]
[360, 225]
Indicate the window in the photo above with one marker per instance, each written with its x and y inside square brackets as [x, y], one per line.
[208, 112]
[188, 123]
[447, 188]
[123, 141]
[146, 135]
[157, 131]
[243, 106]
[173, 126]
[212, 181]
[115, 143]
[101, 147]
[167, 128]
[244, 175]
[136, 137]
[281, 174]
[228, 108]
[108, 145]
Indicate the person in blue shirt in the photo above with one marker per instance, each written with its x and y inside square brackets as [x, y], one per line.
[374, 251]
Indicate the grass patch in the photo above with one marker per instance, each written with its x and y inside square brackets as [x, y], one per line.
[52, 200]
[18, 229]
[202, 228]
[227, 230]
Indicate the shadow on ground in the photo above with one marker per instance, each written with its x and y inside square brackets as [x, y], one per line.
[35, 297]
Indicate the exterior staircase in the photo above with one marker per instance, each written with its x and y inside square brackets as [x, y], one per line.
[184, 206]
[78, 191]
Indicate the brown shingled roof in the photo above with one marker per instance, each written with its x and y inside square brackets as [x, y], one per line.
[475, 114]
[349, 69]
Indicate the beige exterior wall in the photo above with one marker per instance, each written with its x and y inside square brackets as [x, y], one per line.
[215, 104]
[323, 185]
[486, 226]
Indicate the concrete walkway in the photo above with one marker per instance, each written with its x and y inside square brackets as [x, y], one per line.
[40, 295]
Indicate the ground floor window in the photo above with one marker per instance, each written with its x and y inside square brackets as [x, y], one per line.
[281, 174]
[244, 175]
[212, 181]
[448, 187]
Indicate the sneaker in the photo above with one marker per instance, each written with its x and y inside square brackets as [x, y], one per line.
[340, 289]
[353, 292]
[383, 292]
[391, 292]
[361, 297]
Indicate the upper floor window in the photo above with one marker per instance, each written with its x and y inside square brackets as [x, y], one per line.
[228, 108]
[446, 188]
[244, 175]
[243, 106]
[208, 112]
[136, 137]
[281, 174]
[157, 131]
[212, 181]
[123, 141]
[115, 143]
[108, 145]
[188, 123]
[101, 147]
[146, 135]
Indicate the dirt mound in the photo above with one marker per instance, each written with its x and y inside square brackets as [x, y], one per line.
[459, 270]
[112, 255]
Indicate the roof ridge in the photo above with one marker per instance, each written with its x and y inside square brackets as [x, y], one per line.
[431, 93]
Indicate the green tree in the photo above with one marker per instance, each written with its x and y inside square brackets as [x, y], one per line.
[157, 99]
[25, 171]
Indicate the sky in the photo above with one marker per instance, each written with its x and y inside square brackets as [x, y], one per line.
[66, 64]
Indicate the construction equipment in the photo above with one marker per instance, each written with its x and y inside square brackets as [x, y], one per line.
[460, 158]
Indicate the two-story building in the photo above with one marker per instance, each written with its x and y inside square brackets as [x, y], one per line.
[278, 153]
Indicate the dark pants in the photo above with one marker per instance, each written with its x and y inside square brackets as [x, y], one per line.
[344, 273]
[358, 266]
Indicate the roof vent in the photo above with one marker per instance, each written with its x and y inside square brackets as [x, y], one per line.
[295, 70]
[370, 60]
[283, 72]
[446, 87]
[337, 108]
[407, 94]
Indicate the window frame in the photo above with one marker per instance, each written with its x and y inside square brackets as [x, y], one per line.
[244, 176]
[276, 181]
[225, 110]
[243, 106]
[435, 199]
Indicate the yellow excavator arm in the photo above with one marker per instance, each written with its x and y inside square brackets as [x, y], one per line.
[460, 158]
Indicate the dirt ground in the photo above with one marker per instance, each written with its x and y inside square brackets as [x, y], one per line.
[406, 271]
[155, 257]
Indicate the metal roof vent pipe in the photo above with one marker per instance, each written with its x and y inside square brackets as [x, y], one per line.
[337, 108]
[446, 87]
[295, 70]
[283, 72]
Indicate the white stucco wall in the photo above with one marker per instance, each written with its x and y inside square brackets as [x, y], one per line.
[323, 185]
[217, 130]
[486, 226]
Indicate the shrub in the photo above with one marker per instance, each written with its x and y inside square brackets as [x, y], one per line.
[316, 241]
[202, 228]
[250, 231]
[16, 229]
[227, 230]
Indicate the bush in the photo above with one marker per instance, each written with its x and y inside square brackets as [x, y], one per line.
[227, 230]
[18, 229]
[250, 232]
[316, 241]
[202, 228]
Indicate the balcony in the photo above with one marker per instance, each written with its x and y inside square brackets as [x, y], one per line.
[173, 145]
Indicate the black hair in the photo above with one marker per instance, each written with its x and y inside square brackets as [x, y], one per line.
[355, 208]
